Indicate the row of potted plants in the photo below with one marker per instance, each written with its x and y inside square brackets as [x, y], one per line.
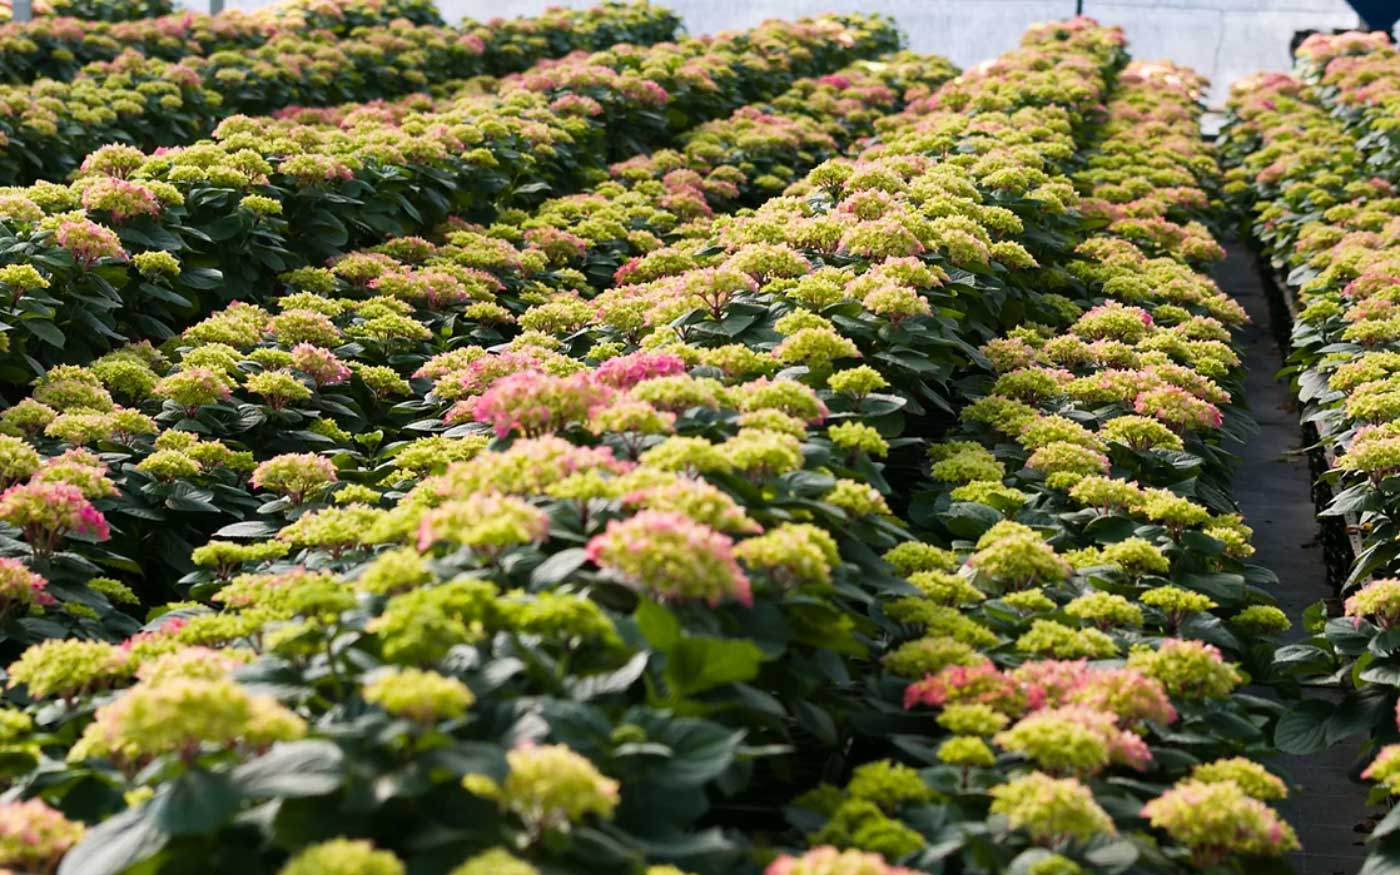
[1079, 512]
[268, 196]
[56, 47]
[96, 10]
[1085, 493]
[439, 297]
[666, 201]
[1310, 177]
[148, 102]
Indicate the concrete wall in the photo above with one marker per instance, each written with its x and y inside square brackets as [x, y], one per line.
[1223, 39]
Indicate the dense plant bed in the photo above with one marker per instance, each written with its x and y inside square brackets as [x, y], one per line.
[881, 526]
[57, 47]
[236, 212]
[438, 298]
[1312, 174]
[96, 10]
[149, 102]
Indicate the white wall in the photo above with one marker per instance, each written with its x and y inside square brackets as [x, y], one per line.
[1224, 39]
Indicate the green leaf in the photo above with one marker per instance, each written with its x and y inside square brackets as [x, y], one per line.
[160, 293]
[1388, 825]
[202, 278]
[817, 721]
[1225, 588]
[187, 499]
[1116, 856]
[312, 767]
[1233, 726]
[226, 228]
[594, 685]
[694, 665]
[1385, 672]
[966, 519]
[557, 568]
[198, 803]
[1360, 713]
[116, 844]
[1303, 730]
[1344, 636]
[45, 331]
[701, 751]
[248, 529]
[1299, 659]
[469, 758]
[1384, 859]
[657, 624]
[875, 404]
[1201, 544]
[680, 845]
[1110, 529]
[1385, 643]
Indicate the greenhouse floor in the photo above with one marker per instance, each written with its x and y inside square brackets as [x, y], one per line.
[1273, 488]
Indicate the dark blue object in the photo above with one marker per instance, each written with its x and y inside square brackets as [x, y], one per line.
[1377, 14]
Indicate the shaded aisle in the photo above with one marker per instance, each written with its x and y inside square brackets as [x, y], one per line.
[1274, 491]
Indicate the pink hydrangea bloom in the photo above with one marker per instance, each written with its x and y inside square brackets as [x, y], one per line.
[670, 555]
[89, 242]
[20, 586]
[533, 403]
[320, 364]
[976, 684]
[48, 511]
[626, 371]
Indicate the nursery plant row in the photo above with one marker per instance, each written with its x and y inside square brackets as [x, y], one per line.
[58, 47]
[95, 10]
[833, 484]
[1313, 173]
[149, 102]
[268, 196]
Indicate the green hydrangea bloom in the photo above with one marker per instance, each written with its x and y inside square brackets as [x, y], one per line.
[422, 696]
[343, 857]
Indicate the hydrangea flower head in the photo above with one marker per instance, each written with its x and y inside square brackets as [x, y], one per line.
[669, 555]
[34, 837]
[65, 667]
[343, 857]
[496, 861]
[624, 372]
[1187, 669]
[981, 683]
[1378, 601]
[422, 696]
[47, 512]
[550, 786]
[1385, 769]
[485, 521]
[827, 860]
[89, 242]
[294, 475]
[1252, 778]
[1051, 809]
[534, 403]
[20, 587]
[1216, 820]
[322, 365]
[184, 715]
